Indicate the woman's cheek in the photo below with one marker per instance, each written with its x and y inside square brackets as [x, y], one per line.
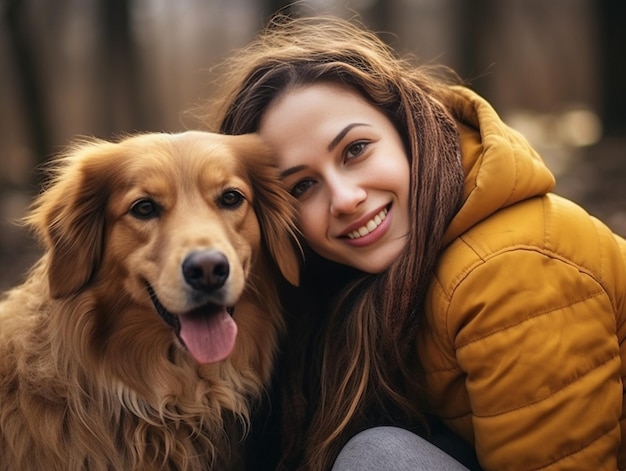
[309, 222]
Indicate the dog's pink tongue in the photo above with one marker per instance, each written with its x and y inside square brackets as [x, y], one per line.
[209, 338]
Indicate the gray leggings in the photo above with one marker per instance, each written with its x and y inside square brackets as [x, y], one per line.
[392, 448]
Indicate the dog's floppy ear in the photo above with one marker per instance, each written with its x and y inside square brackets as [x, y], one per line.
[276, 218]
[274, 207]
[69, 217]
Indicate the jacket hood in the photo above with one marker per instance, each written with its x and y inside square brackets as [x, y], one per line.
[500, 166]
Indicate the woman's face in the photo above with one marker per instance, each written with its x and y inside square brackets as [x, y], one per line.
[345, 163]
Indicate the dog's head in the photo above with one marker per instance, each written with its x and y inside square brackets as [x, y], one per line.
[175, 219]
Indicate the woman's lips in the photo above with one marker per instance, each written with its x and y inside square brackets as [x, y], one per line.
[370, 232]
[369, 226]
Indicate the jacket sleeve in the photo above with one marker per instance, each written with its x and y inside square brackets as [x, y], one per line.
[524, 359]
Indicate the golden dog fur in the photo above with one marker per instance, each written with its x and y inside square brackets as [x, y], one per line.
[91, 377]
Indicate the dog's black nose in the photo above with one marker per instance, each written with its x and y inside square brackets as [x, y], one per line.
[206, 270]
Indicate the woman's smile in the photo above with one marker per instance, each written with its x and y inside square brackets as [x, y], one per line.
[345, 163]
[370, 232]
[369, 227]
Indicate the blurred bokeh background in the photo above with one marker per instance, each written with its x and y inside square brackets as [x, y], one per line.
[554, 69]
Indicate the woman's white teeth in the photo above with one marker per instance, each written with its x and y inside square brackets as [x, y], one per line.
[370, 226]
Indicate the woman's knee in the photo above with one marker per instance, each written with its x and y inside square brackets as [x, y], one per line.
[392, 448]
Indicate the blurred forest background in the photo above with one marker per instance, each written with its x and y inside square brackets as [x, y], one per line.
[554, 69]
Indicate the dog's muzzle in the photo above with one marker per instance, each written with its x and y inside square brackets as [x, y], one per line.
[208, 330]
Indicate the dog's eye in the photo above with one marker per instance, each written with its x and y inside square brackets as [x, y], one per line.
[231, 199]
[144, 209]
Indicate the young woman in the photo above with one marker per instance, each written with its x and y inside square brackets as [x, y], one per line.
[442, 278]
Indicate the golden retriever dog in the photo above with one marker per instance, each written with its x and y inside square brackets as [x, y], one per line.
[146, 331]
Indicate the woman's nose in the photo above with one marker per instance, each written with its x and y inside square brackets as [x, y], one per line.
[345, 197]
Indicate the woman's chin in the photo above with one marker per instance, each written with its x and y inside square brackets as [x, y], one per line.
[376, 261]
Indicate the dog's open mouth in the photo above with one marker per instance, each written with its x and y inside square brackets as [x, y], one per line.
[208, 332]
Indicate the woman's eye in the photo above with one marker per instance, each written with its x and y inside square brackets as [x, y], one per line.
[145, 209]
[355, 149]
[231, 199]
[301, 187]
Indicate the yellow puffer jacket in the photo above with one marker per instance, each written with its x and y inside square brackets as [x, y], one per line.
[524, 354]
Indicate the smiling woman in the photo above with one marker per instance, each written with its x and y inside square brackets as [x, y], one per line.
[346, 164]
[436, 251]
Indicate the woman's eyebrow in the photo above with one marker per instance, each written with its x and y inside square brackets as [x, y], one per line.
[336, 140]
[342, 134]
[290, 171]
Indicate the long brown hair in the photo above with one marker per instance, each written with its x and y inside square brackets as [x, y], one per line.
[366, 370]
